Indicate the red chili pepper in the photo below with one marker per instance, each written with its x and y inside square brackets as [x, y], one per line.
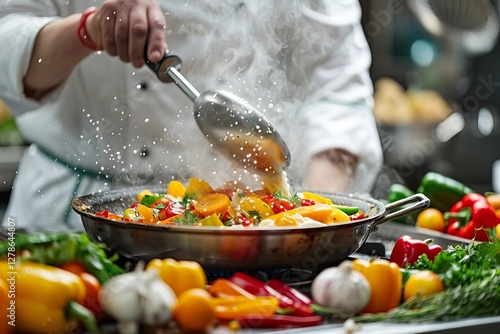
[301, 302]
[407, 250]
[279, 321]
[259, 288]
[469, 217]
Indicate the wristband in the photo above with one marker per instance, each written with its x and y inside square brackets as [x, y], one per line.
[82, 30]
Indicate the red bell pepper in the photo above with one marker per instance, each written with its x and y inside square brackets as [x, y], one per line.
[259, 288]
[279, 321]
[469, 217]
[407, 250]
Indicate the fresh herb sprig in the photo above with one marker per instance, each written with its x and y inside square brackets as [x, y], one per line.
[462, 265]
[295, 199]
[188, 218]
[480, 298]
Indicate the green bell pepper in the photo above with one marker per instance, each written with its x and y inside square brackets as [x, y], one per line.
[397, 192]
[442, 191]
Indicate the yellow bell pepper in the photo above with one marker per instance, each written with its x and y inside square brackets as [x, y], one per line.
[179, 275]
[44, 296]
[6, 323]
[386, 283]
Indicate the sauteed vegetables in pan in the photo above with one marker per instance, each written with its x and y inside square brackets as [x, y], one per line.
[199, 204]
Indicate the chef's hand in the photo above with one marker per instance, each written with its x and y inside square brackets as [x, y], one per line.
[123, 28]
[330, 171]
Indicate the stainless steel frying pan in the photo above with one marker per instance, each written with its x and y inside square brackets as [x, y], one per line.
[237, 249]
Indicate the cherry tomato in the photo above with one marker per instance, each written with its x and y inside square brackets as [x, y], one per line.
[497, 229]
[423, 283]
[92, 285]
[194, 310]
[74, 267]
[431, 219]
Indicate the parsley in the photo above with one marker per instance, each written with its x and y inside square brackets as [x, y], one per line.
[188, 218]
[295, 199]
[255, 215]
[462, 265]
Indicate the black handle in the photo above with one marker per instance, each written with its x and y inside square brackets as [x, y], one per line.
[161, 67]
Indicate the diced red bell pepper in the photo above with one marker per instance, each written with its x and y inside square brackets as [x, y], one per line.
[407, 250]
[469, 217]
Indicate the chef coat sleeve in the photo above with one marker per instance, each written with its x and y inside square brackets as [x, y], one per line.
[20, 22]
[339, 113]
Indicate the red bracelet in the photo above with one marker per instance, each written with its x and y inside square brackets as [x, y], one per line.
[82, 30]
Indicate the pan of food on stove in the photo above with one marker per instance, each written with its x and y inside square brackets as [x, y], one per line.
[234, 228]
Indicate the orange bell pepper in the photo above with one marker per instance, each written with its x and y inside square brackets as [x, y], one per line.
[232, 302]
[180, 275]
[386, 283]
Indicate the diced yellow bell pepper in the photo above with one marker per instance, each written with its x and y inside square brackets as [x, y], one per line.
[198, 186]
[147, 214]
[212, 220]
[252, 203]
[176, 189]
[337, 216]
[318, 212]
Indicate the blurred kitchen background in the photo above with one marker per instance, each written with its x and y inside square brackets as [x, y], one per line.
[436, 72]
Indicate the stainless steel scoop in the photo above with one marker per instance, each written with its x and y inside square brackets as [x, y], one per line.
[233, 127]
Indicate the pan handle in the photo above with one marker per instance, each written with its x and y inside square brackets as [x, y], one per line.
[417, 202]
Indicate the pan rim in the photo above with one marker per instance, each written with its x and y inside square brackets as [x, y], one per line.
[80, 206]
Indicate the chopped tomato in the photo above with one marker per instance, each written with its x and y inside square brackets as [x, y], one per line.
[282, 205]
[307, 202]
[170, 210]
[357, 215]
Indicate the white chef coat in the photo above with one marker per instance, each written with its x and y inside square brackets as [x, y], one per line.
[303, 63]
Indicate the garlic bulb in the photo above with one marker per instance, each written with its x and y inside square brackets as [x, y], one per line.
[158, 299]
[137, 297]
[341, 288]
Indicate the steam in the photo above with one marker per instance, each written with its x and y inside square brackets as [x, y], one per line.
[260, 50]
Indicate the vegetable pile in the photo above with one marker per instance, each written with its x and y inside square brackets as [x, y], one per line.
[198, 204]
[455, 208]
[460, 282]
[66, 283]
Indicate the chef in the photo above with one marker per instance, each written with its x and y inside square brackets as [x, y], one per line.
[73, 75]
